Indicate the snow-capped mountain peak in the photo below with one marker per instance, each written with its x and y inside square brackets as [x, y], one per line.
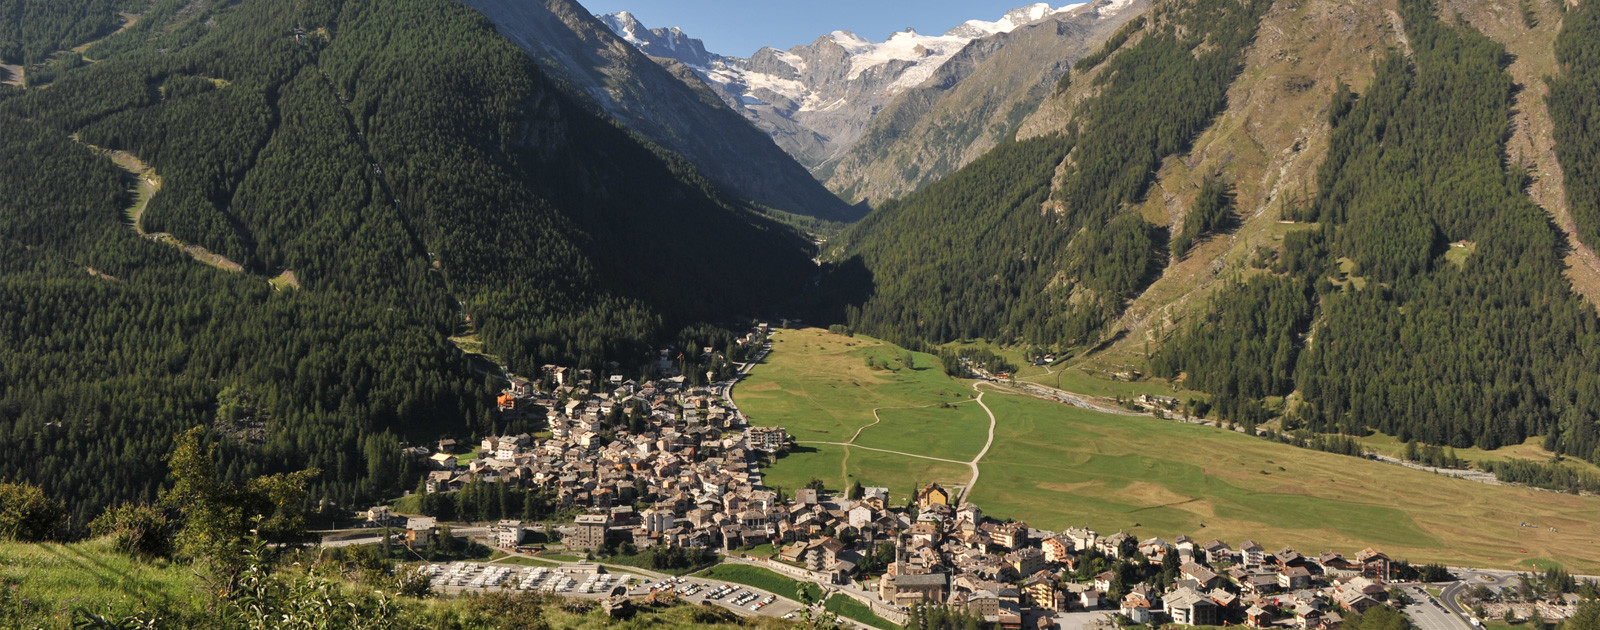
[826, 92]
[658, 42]
[1023, 16]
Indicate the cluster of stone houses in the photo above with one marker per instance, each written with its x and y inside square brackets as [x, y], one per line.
[682, 469]
[591, 462]
[1008, 573]
[690, 463]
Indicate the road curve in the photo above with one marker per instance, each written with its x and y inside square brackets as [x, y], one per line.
[987, 443]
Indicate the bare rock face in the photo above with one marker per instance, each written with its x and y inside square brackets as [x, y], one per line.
[856, 112]
[671, 111]
[972, 102]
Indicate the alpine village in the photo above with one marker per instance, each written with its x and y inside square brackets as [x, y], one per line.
[540, 314]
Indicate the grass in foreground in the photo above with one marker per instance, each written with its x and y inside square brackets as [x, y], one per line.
[760, 578]
[54, 579]
[846, 606]
[681, 617]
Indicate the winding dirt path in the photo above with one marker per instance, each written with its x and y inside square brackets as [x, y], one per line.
[972, 464]
[884, 450]
[967, 492]
[149, 183]
[844, 462]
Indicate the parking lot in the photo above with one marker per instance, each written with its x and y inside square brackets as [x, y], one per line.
[588, 581]
[458, 576]
[1428, 614]
[742, 599]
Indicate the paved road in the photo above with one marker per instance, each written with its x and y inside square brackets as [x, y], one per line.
[396, 536]
[1467, 578]
[1428, 614]
[1077, 400]
[724, 389]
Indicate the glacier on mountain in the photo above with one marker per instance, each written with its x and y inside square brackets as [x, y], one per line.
[816, 99]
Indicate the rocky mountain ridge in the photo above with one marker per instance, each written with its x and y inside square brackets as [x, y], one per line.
[817, 100]
[657, 102]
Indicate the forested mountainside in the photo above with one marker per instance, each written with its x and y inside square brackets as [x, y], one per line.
[32, 29]
[1369, 241]
[973, 102]
[676, 112]
[1575, 109]
[1035, 240]
[398, 170]
[1453, 323]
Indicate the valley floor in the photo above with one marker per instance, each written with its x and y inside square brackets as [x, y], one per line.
[1055, 466]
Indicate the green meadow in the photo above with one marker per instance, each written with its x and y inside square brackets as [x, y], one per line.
[943, 432]
[819, 386]
[1057, 466]
[837, 468]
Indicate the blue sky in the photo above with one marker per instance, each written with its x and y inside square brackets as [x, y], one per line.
[740, 27]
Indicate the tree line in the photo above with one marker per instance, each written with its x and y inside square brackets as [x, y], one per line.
[999, 250]
[1574, 103]
[1483, 350]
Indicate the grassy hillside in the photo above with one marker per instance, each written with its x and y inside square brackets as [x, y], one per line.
[42, 584]
[54, 586]
[1057, 466]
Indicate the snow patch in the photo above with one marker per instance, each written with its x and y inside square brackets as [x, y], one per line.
[726, 74]
[924, 51]
[852, 43]
[1011, 21]
[1114, 7]
[792, 59]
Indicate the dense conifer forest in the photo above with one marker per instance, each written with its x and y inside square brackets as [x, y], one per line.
[996, 251]
[419, 176]
[1574, 103]
[30, 30]
[1483, 350]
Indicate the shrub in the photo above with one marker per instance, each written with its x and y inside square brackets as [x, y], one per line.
[141, 531]
[27, 515]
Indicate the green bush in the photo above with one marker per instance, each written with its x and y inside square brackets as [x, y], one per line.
[138, 530]
[27, 515]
